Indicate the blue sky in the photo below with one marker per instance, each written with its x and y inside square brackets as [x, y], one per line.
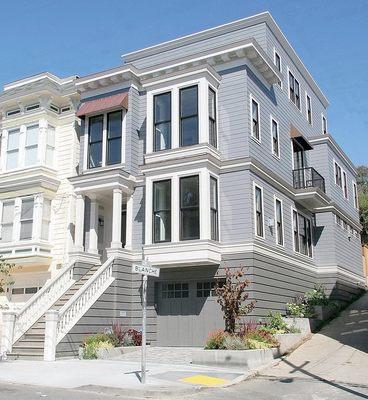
[78, 37]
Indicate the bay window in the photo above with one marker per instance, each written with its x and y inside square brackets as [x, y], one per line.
[114, 133]
[7, 220]
[95, 137]
[255, 120]
[50, 146]
[162, 121]
[302, 233]
[31, 146]
[214, 208]
[279, 223]
[189, 207]
[188, 104]
[26, 219]
[12, 153]
[46, 218]
[258, 203]
[162, 211]
[212, 117]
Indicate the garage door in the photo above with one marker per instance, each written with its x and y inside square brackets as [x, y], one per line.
[186, 312]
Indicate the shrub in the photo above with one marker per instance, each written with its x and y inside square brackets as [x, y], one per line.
[317, 296]
[215, 340]
[234, 343]
[300, 308]
[276, 324]
[136, 337]
[90, 349]
[260, 339]
[96, 338]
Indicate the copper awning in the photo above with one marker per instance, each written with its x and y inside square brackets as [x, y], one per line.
[298, 137]
[104, 103]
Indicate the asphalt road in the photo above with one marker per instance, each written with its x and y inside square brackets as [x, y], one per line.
[261, 388]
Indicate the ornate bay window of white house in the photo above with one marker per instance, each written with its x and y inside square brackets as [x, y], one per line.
[104, 139]
[28, 146]
[182, 114]
[26, 218]
[182, 206]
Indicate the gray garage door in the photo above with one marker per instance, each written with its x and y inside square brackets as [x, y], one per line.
[187, 312]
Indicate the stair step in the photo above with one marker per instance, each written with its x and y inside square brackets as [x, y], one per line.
[25, 356]
[27, 349]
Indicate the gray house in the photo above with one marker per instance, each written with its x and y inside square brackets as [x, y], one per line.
[208, 151]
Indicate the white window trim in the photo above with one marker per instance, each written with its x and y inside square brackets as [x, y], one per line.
[277, 156]
[216, 112]
[341, 170]
[274, 61]
[212, 175]
[255, 185]
[275, 198]
[251, 99]
[344, 178]
[355, 195]
[104, 139]
[324, 117]
[292, 233]
[306, 108]
[300, 90]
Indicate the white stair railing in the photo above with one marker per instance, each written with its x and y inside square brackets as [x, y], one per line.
[83, 299]
[38, 304]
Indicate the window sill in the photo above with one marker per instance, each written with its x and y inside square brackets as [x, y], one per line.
[278, 158]
[299, 109]
[258, 141]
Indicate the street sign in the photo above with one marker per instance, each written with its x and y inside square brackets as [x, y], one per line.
[146, 269]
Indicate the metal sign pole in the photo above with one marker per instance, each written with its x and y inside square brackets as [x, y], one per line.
[144, 318]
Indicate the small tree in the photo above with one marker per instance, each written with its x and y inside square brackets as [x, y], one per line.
[5, 278]
[231, 296]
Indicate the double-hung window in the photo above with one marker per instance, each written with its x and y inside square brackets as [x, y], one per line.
[345, 185]
[294, 90]
[275, 138]
[189, 207]
[31, 147]
[26, 219]
[258, 202]
[12, 152]
[214, 209]
[50, 146]
[278, 64]
[46, 218]
[7, 219]
[114, 133]
[279, 222]
[162, 122]
[338, 179]
[255, 120]
[302, 233]
[162, 211]
[355, 191]
[95, 138]
[188, 100]
[309, 109]
[212, 117]
[324, 125]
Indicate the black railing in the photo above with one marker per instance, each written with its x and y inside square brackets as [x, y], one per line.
[308, 177]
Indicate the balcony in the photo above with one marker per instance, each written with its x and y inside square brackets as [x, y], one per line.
[310, 190]
[305, 178]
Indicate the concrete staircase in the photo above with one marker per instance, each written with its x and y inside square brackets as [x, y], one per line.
[31, 345]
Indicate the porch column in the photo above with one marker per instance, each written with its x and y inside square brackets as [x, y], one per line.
[93, 230]
[116, 218]
[79, 222]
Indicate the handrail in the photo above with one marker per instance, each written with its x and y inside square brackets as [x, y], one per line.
[307, 177]
[41, 301]
[83, 299]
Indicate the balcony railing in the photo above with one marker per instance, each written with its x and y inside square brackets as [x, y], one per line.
[304, 178]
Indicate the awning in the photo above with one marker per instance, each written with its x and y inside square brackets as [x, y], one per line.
[298, 137]
[103, 104]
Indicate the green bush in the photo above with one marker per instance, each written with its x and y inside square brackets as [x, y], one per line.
[215, 340]
[97, 337]
[90, 349]
[276, 324]
[233, 342]
[317, 296]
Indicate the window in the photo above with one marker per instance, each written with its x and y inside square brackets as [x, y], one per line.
[189, 207]
[188, 100]
[31, 290]
[162, 211]
[302, 234]
[258, 200]
[17, 290]
[212, 117]
[12, 153]
[175, 290]
[255, 120]
[31, 148]
[95, 137]
[338, 220]
[345, 184]
[355, 191]
[338, 179]
[54, 108]
[13, 112]
[7, 220]
[275, 138]
[114, 132]
[309, 109]
[294, 90]
[26, 219]
[46, 217]
[324, 125]
[279, 222]
[207, 289]
[278, 65]
[50, 146]
[214, 209]
[162, 122]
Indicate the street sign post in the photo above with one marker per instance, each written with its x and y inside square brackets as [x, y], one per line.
[145, 269]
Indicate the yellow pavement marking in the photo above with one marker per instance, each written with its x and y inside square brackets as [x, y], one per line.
[205, 380]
